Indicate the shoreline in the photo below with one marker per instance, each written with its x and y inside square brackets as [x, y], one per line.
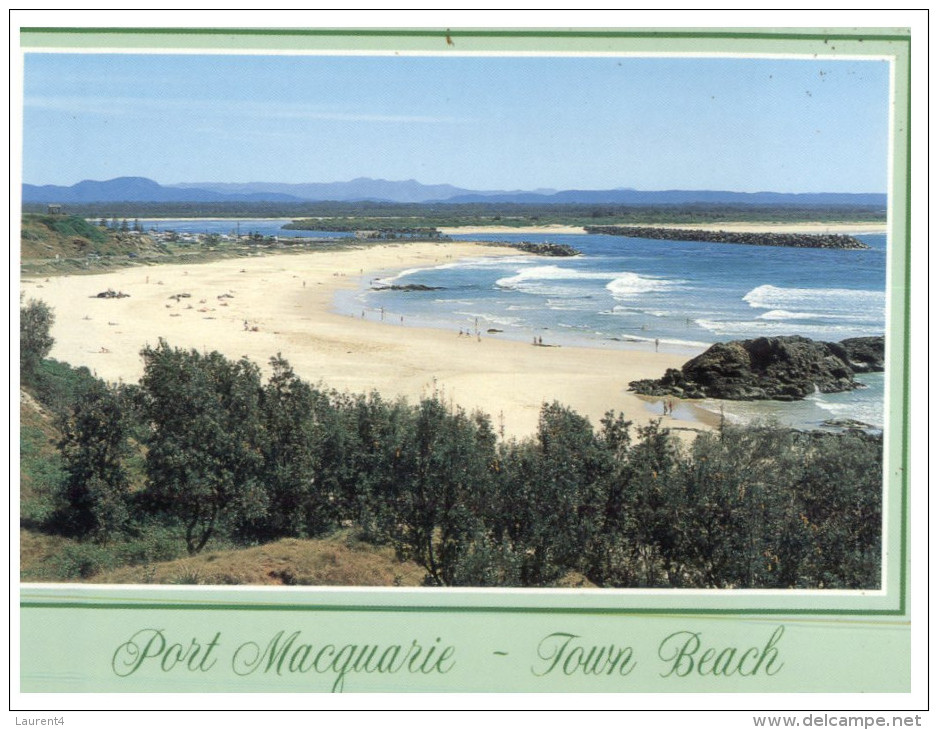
[261, 306]
[847, 228]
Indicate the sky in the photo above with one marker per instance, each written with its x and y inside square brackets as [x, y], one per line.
[484, 123]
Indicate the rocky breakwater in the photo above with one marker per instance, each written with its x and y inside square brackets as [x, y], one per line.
[539, 249]
[794, 240]
[770, 368]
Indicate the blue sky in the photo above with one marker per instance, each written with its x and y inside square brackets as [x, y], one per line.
[812, 125]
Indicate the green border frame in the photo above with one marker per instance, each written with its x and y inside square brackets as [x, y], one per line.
[877, 43]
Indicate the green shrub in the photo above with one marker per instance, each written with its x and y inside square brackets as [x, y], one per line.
[83, 560]
[36, 340]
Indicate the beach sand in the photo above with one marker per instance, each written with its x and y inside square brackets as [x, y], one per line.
[264, 305]
[741, 227]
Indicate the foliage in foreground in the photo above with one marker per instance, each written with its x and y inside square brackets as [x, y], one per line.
[230, 460]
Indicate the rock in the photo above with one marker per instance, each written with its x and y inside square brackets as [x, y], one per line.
[111, 294]
[407, 287]
[847, 424]
[769, 368]
[865, 354]
[539, 249]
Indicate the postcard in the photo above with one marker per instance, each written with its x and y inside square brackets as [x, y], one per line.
[464, 360]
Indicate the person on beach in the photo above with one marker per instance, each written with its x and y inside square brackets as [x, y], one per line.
[656, 344]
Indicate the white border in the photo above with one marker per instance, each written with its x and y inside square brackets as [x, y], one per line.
[919, 438]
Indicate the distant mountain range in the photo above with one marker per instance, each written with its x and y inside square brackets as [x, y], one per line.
[137, 190]
[144, 190]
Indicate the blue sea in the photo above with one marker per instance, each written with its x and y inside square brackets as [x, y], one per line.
[233, 226]
[629, 292]
[626, 293]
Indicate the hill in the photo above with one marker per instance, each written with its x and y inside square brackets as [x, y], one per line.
[59, 236]
[137, 189]
[144, 190]
[628, 197]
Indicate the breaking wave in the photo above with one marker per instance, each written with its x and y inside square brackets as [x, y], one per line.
[622, 285]
[857, 303]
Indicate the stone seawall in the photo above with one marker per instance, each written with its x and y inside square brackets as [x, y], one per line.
[793, 240]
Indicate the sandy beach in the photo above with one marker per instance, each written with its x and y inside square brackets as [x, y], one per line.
[741, 227]
[260, 306]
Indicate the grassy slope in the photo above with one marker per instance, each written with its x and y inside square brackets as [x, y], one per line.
[45, 236]
[51, 245]
[339, 560]
[40, 463]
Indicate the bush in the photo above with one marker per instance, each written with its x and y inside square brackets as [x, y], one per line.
[36, 340]
[82, 561]
[56, 384]
[94, 446]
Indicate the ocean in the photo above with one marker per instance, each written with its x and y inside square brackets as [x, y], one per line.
[627, 293]
[234, 226]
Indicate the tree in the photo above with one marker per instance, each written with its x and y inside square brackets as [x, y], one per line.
[653, 501]
[94, 444]
[205, 453]
[300, 503]
[549, 496]
[438, 470]
[840, 496]
[611, 554]
[36, 320]
[720, 511]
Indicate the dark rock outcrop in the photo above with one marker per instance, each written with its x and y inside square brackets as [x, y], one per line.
[407, 287]
[111, 294]
[865, 354]
[770, 368]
